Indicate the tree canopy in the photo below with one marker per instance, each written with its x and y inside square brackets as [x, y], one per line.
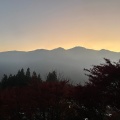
[26, 96]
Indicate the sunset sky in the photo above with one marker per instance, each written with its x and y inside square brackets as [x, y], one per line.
[46, 24]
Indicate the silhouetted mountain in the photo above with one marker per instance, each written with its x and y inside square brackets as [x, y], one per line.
[69, 62]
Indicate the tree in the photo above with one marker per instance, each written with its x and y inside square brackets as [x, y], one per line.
[34, 75]
[20, 78]
[52, 77]
[105, 79]
[28, 74]
[4, 81]
[39, 78]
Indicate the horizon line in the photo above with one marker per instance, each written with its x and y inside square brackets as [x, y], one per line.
[59, 48]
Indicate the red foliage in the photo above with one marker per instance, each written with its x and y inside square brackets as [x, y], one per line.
[35, 97]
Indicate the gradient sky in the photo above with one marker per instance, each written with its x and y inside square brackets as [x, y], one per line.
[46, 24]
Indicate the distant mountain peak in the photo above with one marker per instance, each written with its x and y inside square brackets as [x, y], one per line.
[77, 48]
[58, 49]
[39, 50]
[104, 51]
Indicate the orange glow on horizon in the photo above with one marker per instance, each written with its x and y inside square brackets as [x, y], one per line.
[30, 26]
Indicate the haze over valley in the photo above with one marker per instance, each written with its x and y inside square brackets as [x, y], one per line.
[69, 63]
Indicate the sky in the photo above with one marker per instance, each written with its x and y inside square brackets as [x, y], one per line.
[27, 25]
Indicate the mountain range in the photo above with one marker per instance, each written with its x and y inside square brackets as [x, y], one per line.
[69, 63]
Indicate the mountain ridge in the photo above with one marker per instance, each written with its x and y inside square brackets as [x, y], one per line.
[61, 48]
[69, 62]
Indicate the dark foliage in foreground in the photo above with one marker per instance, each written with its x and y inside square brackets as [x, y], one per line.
[27, 97]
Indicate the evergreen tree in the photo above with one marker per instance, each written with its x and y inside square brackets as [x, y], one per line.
[20, 78]
[4, 81]
[52, 77]
[39, 78]
[34, 75]
[28, 73]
